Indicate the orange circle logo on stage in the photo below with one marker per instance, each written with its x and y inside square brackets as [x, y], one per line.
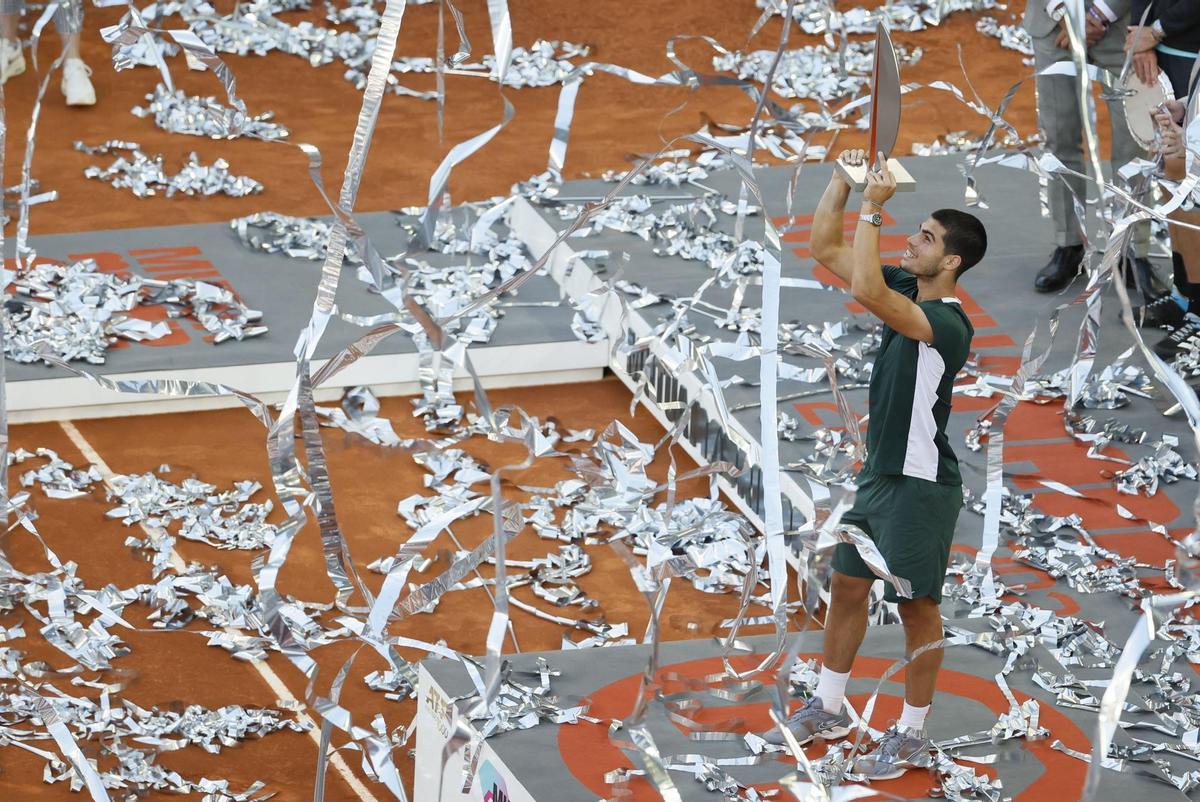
[589, 755]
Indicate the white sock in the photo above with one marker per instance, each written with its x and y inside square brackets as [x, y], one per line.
[914, 717]
[831, 690]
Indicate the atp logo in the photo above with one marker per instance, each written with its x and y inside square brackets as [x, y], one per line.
[492, 784]
[441, 711]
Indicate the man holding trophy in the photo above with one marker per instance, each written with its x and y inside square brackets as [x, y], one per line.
[909, 488]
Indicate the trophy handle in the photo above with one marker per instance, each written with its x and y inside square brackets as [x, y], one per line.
[856, 175]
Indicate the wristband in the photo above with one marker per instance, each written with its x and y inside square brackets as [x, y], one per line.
[1098, 17]
[873, 203]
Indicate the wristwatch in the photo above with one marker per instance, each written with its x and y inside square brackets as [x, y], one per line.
[1157, 30]
[875, 219]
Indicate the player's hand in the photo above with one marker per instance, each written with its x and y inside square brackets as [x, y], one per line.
[851, 158]
[1145, 66]
[881, 184]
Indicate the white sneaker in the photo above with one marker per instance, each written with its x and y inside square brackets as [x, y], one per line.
[76, 85]
[12, 59]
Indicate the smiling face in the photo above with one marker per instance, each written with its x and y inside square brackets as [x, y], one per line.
[926, 254]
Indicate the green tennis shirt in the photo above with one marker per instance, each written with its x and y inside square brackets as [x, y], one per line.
[911, 386]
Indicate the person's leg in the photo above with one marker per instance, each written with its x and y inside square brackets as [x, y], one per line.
[922, 620]
[1109, 55]
[9, 19]
[12, 59]
[1059, 118]
[906, 745]
[1185, 242]
[68, 19]
[845, 620]
[76, 81]
[845, 626]
[1187, 284]
[917, 547]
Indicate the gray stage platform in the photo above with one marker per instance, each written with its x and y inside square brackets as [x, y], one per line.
[998, 295]
[563, 763]
[549, 762]
[531, 345]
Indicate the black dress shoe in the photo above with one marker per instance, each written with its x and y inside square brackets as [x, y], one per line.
[1062, 267]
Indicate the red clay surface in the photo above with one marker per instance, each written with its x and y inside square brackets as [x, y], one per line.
[173, 669]
[589, 754]
[614, 118]
[179, 668]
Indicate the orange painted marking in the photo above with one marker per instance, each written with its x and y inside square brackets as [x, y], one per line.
[1146, 547]
[992, 341]
[106, 261]
[185, 258]
[155, 314]
[1064, 461]
[588, 754]
[199, 275]
[1099, 510]
[1000, 365]
[809, 411]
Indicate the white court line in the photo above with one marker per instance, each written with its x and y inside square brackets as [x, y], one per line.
[265, 671]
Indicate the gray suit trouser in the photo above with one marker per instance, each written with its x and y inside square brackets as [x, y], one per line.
[1059, 117]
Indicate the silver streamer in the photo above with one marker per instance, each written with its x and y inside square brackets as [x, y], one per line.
[816, 17]
[1012, 37]
[180, 113]
[146, 175]
[610, 498]
[298, 237]
[224, 519]
[813, 71]
[57, 478]
[75, 312]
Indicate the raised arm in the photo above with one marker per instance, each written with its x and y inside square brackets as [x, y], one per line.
[827, 242]
[867, 283]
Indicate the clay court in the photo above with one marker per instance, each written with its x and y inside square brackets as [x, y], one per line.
[615, 120]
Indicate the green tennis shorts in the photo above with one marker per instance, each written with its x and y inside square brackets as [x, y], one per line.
[912, 522]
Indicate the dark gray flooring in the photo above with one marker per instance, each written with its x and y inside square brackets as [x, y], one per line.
[582, 673]
[1020, 242]
[282, 288]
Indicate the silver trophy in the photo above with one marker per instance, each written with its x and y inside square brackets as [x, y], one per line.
[885, 118]
[1141, 101]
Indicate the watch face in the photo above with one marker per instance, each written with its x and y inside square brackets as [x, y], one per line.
[877, 219]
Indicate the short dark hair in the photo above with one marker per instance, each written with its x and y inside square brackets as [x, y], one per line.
[965, 237]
